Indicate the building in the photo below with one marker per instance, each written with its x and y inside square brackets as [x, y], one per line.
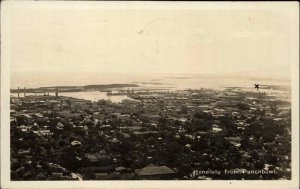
[26, 118]
[60, 126]
[155, 172]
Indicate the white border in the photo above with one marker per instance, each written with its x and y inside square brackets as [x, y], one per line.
[290, 8]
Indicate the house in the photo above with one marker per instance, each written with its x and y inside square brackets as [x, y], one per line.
[38, 117]
[216, 129]
[93, 157]
[155, 172]
[19, 169]
[26, 118]
[218, 116]
[65, 113]
[60, 126]
[26, 128]
[57, 175]
[183, 119]
[12, 119]
[130, 128]
[151, 117]
[145, 133]
[204, 107]
[43, 132]
[96, 170]
[98, 115]
[114, 176]
[12, 112]
[60, 176]
[234, 139]
[75, 116]
[116, 115]
[236, 144]
[125, 117]
[23, 151]
[115, 140]
[75, 142]
[101, 176]
[125, 135]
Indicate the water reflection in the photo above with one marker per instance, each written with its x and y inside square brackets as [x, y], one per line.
[95, 96]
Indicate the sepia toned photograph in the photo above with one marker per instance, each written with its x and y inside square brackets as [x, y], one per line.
[149, 91]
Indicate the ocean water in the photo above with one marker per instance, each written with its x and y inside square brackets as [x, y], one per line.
[179, 81]
[95, 96]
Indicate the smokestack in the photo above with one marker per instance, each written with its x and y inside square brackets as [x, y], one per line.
[56, 92]
[18, 92]
[24, 91]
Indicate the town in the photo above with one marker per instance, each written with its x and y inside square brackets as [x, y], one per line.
[174, 135]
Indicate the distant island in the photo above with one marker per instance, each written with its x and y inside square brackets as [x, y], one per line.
[72, 88]
[269, 87]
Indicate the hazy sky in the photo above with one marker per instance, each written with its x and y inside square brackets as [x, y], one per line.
[51, 39]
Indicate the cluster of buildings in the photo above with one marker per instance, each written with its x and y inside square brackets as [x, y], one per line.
[165, 136]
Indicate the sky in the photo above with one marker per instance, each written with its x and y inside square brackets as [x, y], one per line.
[50, 39]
